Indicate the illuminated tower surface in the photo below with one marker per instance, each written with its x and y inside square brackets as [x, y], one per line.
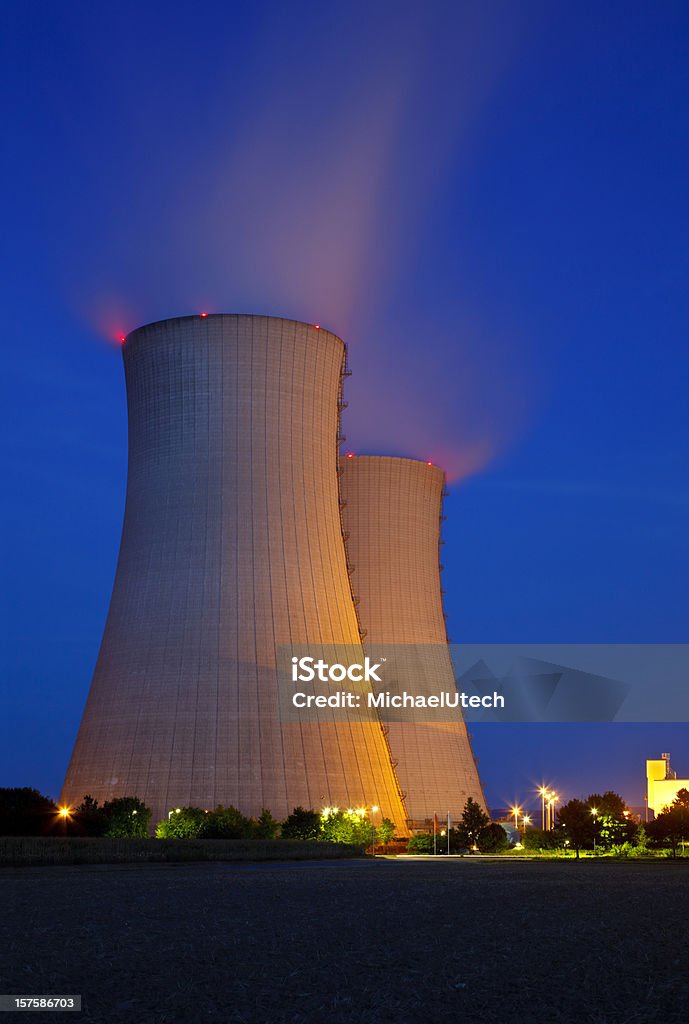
[231, 546]
[392, 519]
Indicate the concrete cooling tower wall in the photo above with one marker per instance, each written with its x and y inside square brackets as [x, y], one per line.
[392, 521]
[232, 545]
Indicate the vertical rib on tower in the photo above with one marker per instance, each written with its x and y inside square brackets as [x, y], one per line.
[231, 546]
[392, 518]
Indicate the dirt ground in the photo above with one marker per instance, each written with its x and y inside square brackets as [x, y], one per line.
[344, 942]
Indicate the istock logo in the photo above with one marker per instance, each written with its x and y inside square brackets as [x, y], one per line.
[305, 670]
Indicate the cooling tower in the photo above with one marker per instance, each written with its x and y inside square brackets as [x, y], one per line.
[232, 545]
[392, 520]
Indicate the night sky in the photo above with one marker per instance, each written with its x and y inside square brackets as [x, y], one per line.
[488, 202]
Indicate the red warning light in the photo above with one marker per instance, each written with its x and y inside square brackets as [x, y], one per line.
[429, 463]
[317, 326]
[121, 339]
[350, 455]
[203, 314]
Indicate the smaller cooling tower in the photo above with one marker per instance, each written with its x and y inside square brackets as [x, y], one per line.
[392, 517]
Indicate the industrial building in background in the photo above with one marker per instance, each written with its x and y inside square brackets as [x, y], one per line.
[662, 784]
[232, 545]
[392, 513]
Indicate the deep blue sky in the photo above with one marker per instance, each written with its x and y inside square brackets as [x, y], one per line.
[490, 206]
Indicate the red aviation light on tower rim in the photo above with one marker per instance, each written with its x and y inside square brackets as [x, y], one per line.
[350, 455]
[203, 314]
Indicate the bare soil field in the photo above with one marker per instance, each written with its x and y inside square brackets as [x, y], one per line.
[350, 941]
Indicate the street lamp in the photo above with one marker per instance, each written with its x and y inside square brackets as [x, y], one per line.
[594, 812]
[543, 792]
[552, 800]
[64, 815]
[516, 811]
[373, 830]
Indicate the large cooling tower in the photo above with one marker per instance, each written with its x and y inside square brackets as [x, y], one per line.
[232, 545]
[392, 518]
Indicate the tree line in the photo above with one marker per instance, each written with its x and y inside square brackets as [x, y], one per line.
[26, 812]
[603, 821]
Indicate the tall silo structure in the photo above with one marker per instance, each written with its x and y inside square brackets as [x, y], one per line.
[392, 514]
[231, 546]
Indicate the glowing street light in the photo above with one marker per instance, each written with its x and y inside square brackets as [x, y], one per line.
[553, 798]
[516, 811]
[594, 814]
[543, 792]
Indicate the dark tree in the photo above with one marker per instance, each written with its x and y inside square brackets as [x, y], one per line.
[266, 826]
[89, 819]
[301, 824]
[671, 826]
[492, 839]
[682, 798]
[26, 812]
[226, 823]
[541, 839]
[577, 822]
[608, 803]
[474, 820]
[127, 817]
